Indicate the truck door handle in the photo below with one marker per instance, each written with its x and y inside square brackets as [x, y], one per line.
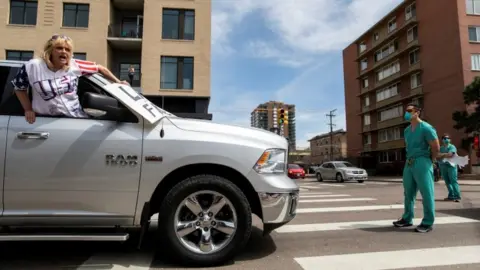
[33, 135]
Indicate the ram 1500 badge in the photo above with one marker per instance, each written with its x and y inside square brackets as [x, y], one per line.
[131, 161]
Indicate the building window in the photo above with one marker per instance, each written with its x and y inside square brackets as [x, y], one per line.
[376, 36]
[364, 64]
[176, 73]
[390, 113]
[386, 51]
[410, 11]
[367, 139]
[390, 156]
[75, 15]
[388, 92]
[473, 7]
[23, 12]
[474, 34]
[178, 24]
[364, 82]
[363, 47]
[412, 34]
[390, 134]
[392, 25]
[476, 62]
[414, 57]
[388, 70]
[80, 55]
[125, 67]
[415, 80]
[366, 101]
[19, 55]
[366, 119]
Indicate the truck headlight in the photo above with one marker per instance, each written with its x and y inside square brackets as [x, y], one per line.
[271, 161]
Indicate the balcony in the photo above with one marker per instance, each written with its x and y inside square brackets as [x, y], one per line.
[418, 91]
[128, 4]
[367, 128]
[390, 123]
[125, 36]
[387, 38]
[391, 145]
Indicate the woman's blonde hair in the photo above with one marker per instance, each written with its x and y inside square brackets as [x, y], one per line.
[50, 45]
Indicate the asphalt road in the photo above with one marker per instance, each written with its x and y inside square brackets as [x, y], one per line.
[338, 226]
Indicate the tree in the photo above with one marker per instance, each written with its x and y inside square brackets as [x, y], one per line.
[469, 122]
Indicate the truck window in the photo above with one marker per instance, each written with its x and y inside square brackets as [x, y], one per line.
[9, 103]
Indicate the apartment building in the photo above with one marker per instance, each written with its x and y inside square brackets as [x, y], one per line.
[422, 52]
[267, 116]
[321, 146]
[167, 42]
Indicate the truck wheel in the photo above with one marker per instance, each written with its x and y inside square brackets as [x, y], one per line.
[205, 220]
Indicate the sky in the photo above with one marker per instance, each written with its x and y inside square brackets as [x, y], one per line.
[288, 51]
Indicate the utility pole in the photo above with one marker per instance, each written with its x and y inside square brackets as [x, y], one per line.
[331, 124]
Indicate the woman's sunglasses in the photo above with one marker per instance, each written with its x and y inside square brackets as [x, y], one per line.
[55, 37]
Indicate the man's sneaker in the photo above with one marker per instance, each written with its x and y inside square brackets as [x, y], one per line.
[423, 228]
[402, 223]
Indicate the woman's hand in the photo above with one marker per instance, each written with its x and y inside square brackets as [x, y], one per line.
[125, 82]
[30, 116]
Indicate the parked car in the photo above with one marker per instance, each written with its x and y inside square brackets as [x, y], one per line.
[340, 171]
[295, 171]
[131, 160]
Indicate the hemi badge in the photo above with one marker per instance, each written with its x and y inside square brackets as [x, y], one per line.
[154, 158]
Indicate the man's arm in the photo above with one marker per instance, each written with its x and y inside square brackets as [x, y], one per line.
[432, 139]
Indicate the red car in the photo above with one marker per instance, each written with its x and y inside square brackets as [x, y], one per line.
[295, 171]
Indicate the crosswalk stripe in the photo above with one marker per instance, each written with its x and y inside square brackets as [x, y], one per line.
[377, 183]
[311, 187]
[324, 195]
[112, 261]
[317, 227]
[338, 200]
[332, 185]
[313, 193]
[349, 208]
[394, 259]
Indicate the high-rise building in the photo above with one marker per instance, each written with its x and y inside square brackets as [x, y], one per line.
[268, 116]
[166, 41]
[422, 52]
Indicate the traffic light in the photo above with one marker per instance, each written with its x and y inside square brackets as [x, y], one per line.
[286, 117]
[476, 142]
[281, 120]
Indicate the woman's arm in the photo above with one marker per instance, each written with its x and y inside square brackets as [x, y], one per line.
[109, 75]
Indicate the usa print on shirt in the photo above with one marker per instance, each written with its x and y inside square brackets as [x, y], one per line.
[53, 93]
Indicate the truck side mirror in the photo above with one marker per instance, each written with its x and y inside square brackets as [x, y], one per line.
[101, 106]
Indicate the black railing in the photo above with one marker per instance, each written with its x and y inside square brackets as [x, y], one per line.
[125, 31]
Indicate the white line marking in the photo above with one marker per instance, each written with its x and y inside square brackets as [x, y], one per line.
[324, 195]
[349, 208]
[394, 259]
[310, 187]
[332, 185]
[314, 193]
[111, 261]
[317, 227]
[378, 183]
[338, 200]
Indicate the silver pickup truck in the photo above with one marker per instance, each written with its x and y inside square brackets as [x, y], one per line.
[103, 178]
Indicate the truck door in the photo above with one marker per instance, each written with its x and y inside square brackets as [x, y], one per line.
[6, 75]
[72, 171]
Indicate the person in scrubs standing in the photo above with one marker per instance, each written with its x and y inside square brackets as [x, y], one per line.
[449, 172]
[422, 149]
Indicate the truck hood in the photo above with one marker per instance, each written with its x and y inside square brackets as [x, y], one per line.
[250, 133]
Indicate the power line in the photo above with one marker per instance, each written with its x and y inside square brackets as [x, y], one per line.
[331, 124]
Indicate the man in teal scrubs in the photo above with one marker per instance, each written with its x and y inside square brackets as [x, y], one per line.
[422, 149]
[449, 172]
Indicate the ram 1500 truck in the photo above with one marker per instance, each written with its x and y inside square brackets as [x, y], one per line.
[129, 161]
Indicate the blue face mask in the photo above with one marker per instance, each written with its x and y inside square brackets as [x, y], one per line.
[407, 116]
[446, 141]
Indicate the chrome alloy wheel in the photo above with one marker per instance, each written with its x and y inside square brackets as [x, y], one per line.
[205, 222]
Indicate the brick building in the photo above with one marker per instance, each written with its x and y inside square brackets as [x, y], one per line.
[320, 147]
[423, 51]
[166, 41]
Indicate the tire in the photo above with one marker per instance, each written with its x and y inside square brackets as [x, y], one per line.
[319, 177]
[361, 181]
[339, 178]
[168, 213]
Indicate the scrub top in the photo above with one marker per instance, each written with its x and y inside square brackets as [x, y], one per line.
[417, 141]
[450, 148]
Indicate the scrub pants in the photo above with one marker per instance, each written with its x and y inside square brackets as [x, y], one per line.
[418, 175]
[450, 175]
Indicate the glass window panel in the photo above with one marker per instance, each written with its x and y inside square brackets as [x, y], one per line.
[170, 26]
[26, 56]
[13, 55]
[168, 73]
[82, 18]
[472, 33]
[69, 18]
[189, 27]
[31, 15]
[16, 15]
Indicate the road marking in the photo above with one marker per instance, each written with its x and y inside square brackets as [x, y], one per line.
[332, 185]
[324, 196]
[378, 183]
[394, 259]
[338, 200]
[313, 193]
[311, 187]
[349, 208]
[317, 227]
[112, 261]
